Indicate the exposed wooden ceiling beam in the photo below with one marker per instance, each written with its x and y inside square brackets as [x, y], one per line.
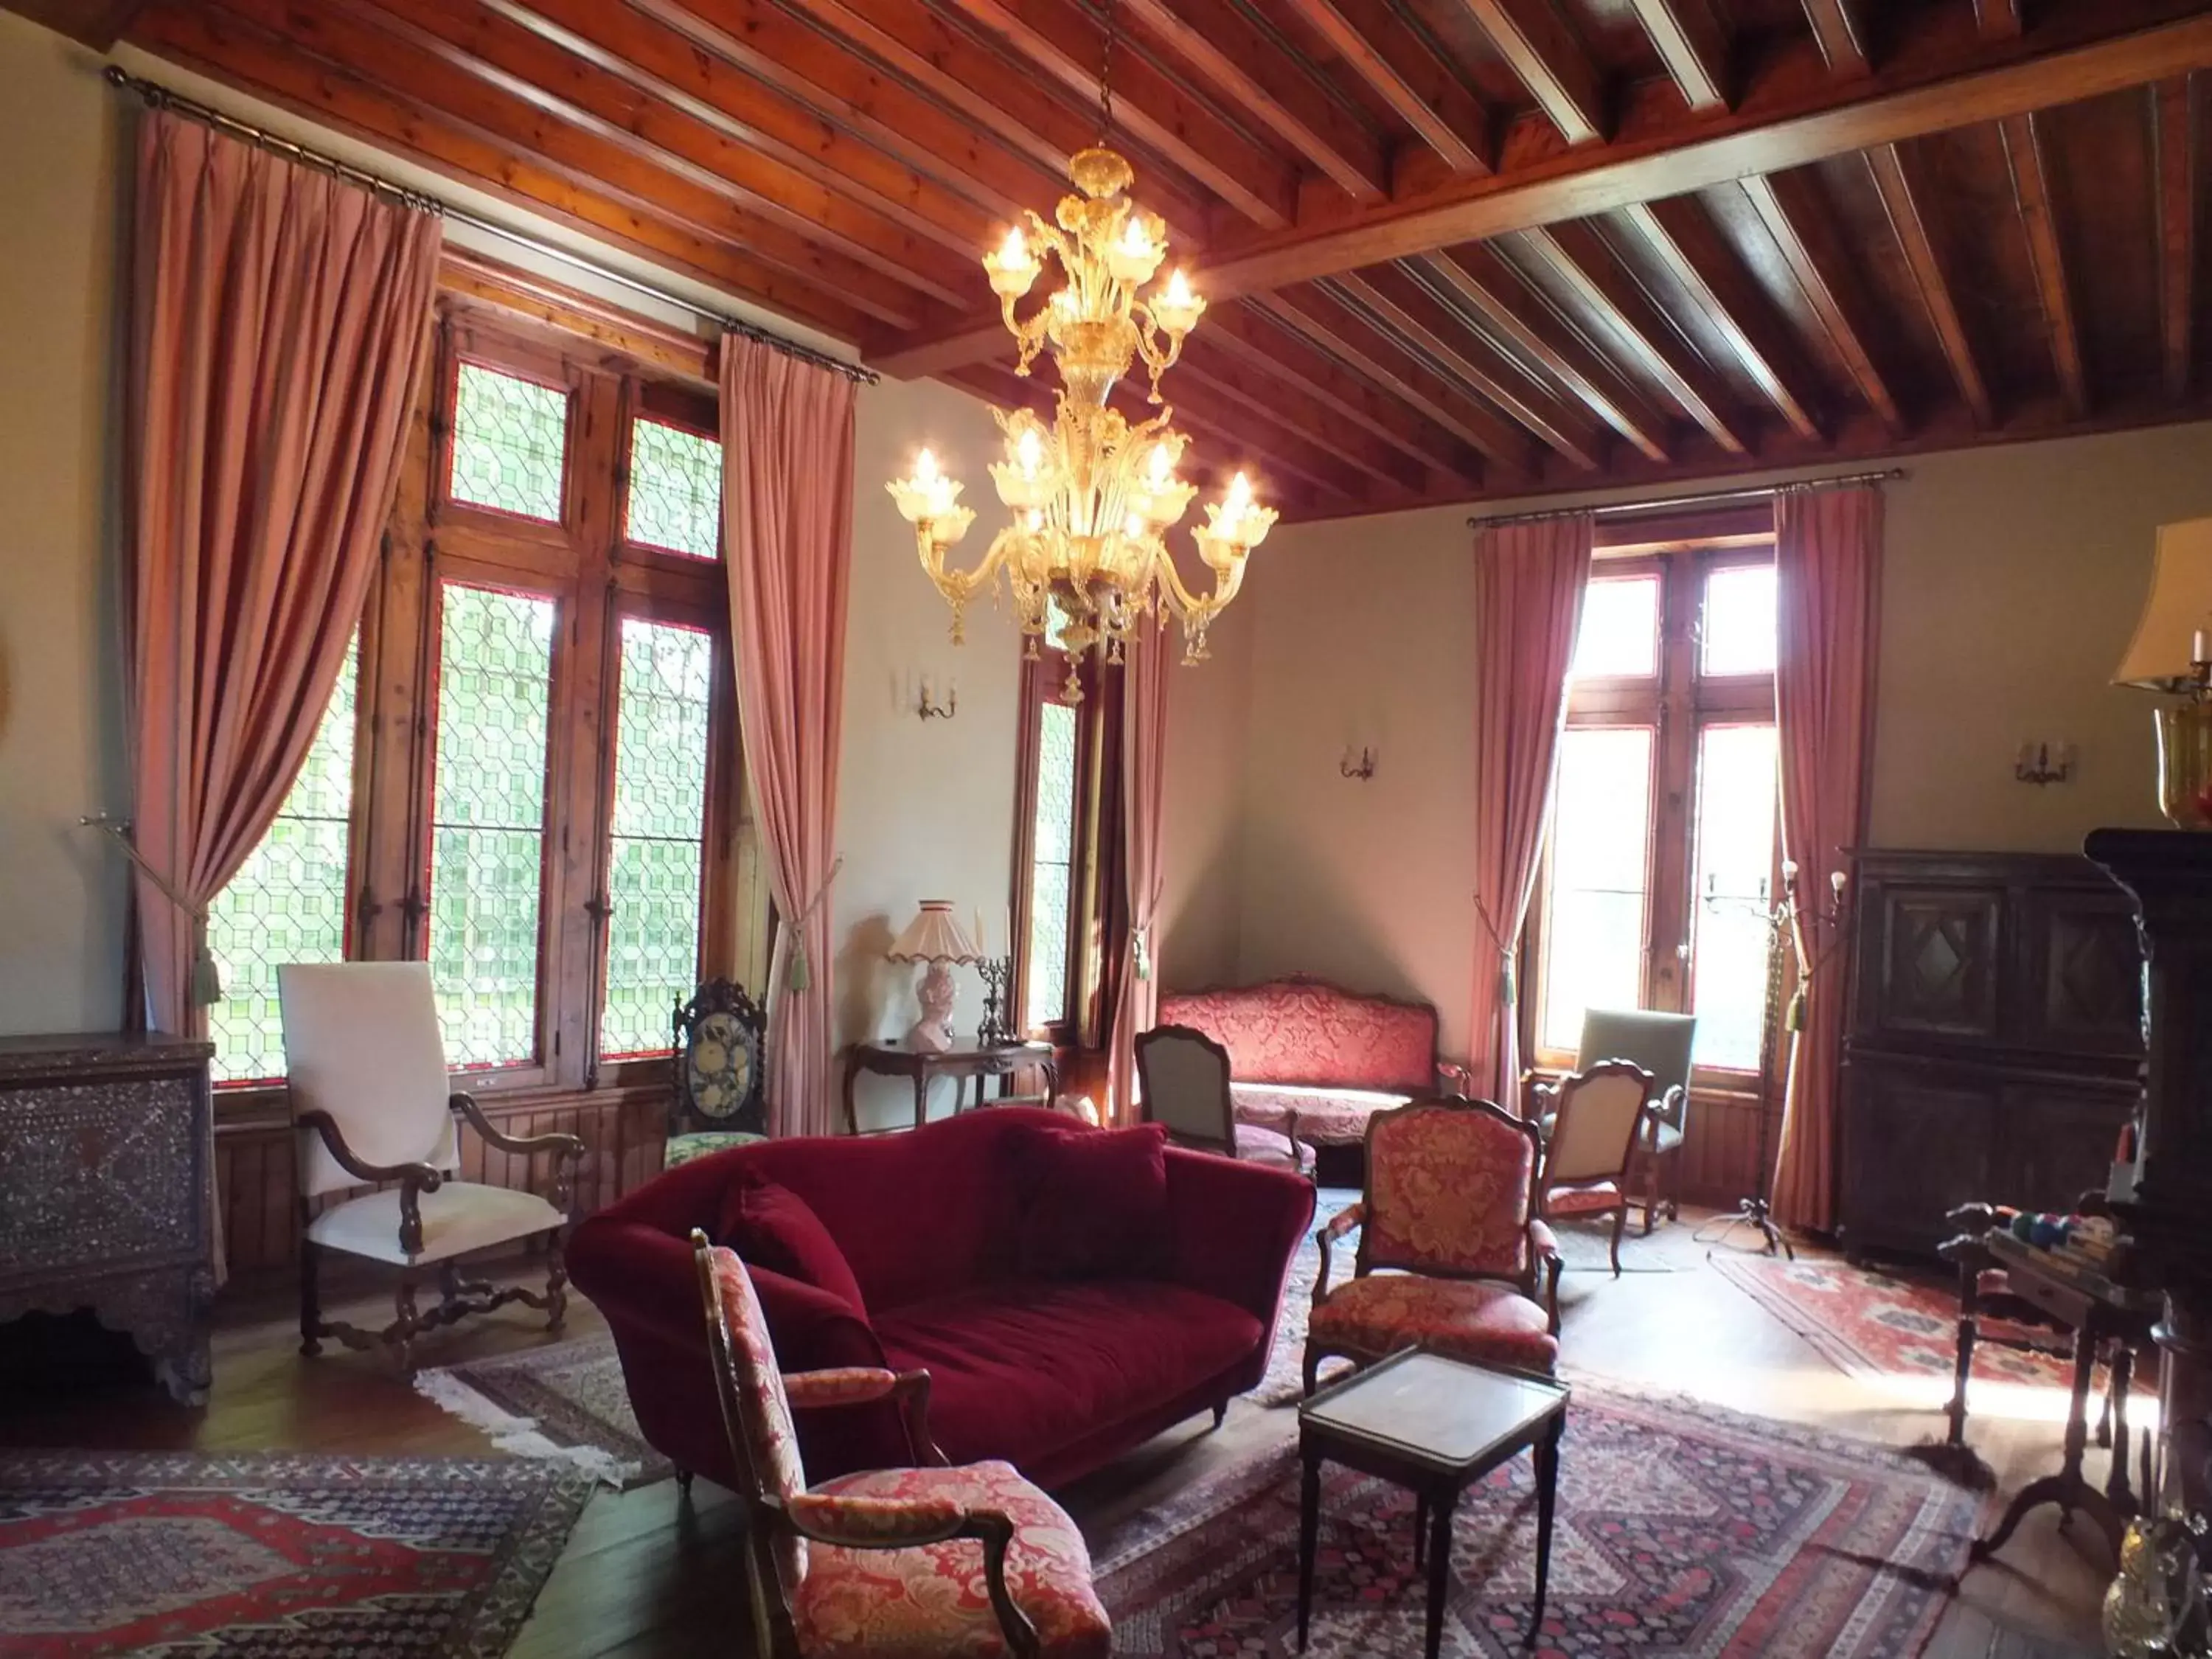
[1786, 119]
[1425, 93]
[1580, 262]
[1217, 40]
[1478, 278]
[743, 252]
[980, 88]
[1902, 198]
[1060, 39]
[1397, 305]
[2031, 193]
[2174, 117]
[1798, 218]
[1275, 399]
[1229, 432]
[1555, 67]
[1681, 238]
[1354, 342]
[1841, 31]
[1263, 343]
[1998, 20]
[1690, 40]
[96, 23]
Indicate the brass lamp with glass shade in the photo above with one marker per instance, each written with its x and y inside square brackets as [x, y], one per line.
[2172, 651]
[933, 938]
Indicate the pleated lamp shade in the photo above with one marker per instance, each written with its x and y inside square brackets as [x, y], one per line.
[934, 936]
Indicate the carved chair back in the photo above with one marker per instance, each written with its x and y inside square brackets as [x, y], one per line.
[757, 1416]
[362, 1043]
[1184, 1076]
[721, 1037]
[1659, 1042]
[1451, 1188]
[1601, 1116]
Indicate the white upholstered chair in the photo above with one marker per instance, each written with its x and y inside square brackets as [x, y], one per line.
[1594, 1137]
[367, 1073]
[1183, 1076]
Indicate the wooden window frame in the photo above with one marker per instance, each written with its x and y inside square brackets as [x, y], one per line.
[1044, 677]
[1680, 705]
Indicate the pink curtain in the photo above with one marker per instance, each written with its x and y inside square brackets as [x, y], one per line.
[787, 523]
[1528, 581]
[1827, 555]
[1144, 789]
[278, 324]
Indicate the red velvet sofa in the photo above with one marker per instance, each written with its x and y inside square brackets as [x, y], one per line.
[1309, 1058]
[1056, 1376]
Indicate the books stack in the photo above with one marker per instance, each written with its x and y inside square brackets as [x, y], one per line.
[2093, 1242]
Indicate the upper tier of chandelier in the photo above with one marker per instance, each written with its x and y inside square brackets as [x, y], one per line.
[1092, 496]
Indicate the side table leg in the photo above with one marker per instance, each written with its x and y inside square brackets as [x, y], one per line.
[921, 1098]
[1547, 1498]
[1308, 1538]
[2121, 1378]
[1440, 1531]
[1970, 1298]
[1420, 1530]
[2077, 1420]
[852, 1114]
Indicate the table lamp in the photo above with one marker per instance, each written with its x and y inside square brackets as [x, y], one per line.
[934, 938]
[2170, 653]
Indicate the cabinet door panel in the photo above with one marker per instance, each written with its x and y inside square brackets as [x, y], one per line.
[1916, 1142]
[1939, 964]
[2084, 973]
[2055, 1144]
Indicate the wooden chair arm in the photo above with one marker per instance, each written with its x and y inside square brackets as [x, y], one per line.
[1457, 1077]
[464, 1107]
[1339, 1224]
[421, 1177]
[1546, 1265]
[894, 1523]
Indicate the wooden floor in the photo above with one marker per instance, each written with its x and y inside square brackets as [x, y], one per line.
[646, 1575]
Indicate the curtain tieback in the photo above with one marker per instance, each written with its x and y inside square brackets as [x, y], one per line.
[1140, 950]
[800, 974]
[206, 984]
[1508, 993]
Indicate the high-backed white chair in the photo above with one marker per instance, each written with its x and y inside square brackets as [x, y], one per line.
[1661, 1044]
[1183, 1076]
[1593, 1140]
[365, 1066]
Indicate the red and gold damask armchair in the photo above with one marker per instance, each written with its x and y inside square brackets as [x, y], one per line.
[1450, 1203]
[896, 1564]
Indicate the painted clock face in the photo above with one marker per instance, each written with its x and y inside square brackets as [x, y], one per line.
[721, 1065]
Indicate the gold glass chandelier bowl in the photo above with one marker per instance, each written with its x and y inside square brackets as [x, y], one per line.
[1091, 495]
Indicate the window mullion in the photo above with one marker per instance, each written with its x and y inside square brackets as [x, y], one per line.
[1667, 971]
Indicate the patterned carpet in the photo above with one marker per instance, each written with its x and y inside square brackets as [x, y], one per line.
[565, 1402]
[284, 1557]
[1684, 1532]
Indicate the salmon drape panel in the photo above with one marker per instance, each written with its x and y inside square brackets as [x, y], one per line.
[1143, 791]
[787, 525]
[1528, 581]
[278, 323]
[1827, 558]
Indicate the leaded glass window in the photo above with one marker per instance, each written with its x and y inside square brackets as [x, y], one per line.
[488, 821]
[510, 443]
[288, 902]
[1052, 865]
[675, 489]
[655, 857]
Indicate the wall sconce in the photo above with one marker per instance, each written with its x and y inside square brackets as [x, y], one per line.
[2044, 762]
[930, 709]
[1363, 768]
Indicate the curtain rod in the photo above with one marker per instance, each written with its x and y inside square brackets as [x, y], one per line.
[157, 96]
[1710, 498]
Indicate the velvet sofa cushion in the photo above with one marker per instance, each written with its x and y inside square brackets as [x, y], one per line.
[1031, 1366]
[770, 1226]
[1095, 1204]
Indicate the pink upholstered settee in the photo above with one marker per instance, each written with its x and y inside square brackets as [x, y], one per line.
[1300, 1049]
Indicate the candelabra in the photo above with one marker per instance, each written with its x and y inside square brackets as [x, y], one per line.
[997, 1025]
[1782, 919]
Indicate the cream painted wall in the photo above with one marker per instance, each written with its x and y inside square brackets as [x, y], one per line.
[61, 887]
[2012, 578]
[1209, 723]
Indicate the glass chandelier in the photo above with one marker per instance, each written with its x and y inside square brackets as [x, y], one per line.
[1091, 496]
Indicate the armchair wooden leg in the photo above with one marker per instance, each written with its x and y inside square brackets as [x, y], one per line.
[1313, 1365]
[557, 1279]
[1620, 1226]
[404, 1327]
[683, 1483]
[311, 1302]
[1651, 1162]
[1220, 1413]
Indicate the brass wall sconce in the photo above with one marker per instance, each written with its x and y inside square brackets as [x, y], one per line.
[2044, 762]
[929, 708]
[1363, 768]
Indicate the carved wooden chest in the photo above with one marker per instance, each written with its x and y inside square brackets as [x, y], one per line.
[105, 1200]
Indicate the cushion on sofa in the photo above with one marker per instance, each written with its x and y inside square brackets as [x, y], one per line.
[1301, 1032]
[770, 1226]
[1025, 1368]
[1095, 1204]
[1326, 1117]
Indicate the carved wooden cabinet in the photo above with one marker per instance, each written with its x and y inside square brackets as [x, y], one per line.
[1994, 1045]
[105, 1193]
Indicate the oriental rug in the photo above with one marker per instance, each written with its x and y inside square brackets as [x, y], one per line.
[565, 1402]
[1683, 1532]
[274, 1557]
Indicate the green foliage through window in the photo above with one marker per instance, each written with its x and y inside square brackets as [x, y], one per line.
[288, 901]
[1052, 863]
[654, 854]
[488, 821]
[510, 443]
[675, 489]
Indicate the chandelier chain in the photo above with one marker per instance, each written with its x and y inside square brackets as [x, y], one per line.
[1106, 72]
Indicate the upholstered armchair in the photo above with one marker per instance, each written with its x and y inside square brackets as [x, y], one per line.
[722, 1036]
[900, 1563]
[1596, 1132]
[1451, 1202]
[1660, 1043]
[366, 1070]
[1183, 1076]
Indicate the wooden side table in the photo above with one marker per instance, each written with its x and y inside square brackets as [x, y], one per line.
[895, 1059]
[1436, 1425]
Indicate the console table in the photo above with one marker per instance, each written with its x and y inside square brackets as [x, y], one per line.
[105, 1191]
[895, 1059]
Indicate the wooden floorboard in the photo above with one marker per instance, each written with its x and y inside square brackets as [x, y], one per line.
[647, 1575]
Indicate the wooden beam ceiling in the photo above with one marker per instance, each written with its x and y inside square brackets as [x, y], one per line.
[1550, 62]
[1902, 199]
[2031, 187]
[2175, 115]
[1691, 41]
